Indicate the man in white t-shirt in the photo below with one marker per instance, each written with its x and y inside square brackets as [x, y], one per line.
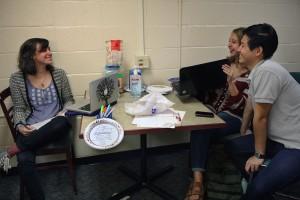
[274, 106]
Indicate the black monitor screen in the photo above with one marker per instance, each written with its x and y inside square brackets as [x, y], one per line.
[196, 80]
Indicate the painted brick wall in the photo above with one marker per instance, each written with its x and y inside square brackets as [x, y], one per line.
[177, 33]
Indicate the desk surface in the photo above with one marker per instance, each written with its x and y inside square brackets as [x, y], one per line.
[189, 122]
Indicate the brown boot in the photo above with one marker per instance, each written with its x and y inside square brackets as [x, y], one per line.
[195, 192]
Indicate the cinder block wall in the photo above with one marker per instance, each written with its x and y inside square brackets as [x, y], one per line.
[174, 33]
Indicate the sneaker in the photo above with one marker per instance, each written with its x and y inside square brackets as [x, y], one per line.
[4, 161]
[124, 198]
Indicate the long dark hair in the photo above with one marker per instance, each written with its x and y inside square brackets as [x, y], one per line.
[26, 63]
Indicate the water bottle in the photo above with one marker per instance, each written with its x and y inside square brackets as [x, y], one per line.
[118, 70]
[135, 82]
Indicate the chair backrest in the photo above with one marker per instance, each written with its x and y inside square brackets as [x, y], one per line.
[8, 111]
[296, 76]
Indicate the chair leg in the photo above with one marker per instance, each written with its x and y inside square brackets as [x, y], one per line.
[70, 160]
[22, 189]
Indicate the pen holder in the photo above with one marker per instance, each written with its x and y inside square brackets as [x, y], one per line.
[109, 116]
[98, 116]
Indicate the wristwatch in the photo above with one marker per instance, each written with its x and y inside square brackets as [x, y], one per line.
[259, 155]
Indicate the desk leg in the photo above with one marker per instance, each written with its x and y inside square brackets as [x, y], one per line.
[143, 181]
[144, 177]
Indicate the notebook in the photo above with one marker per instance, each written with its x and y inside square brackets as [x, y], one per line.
[102, 91]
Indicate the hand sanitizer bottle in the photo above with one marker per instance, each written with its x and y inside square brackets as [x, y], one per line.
[135, 82]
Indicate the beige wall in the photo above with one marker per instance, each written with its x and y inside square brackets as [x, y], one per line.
[174, 33]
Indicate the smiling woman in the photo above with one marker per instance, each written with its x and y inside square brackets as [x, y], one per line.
[228, 104]
[39, 92]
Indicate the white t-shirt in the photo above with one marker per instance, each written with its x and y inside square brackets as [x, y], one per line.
[273, 84]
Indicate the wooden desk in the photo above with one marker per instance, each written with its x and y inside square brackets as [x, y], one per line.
[189, 122]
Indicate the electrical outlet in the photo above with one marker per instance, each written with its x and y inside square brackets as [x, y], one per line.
[142, 61]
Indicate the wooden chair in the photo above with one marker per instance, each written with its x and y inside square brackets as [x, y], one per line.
[61, 147]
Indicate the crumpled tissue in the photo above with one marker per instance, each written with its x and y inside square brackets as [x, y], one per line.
[150, 104]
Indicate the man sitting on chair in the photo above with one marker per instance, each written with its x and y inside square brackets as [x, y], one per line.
[274, 99]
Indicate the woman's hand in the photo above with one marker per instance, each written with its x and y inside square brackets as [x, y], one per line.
[61, 113]
[227, 69]
[25, 129]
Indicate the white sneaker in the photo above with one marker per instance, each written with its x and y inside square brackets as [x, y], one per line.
[124, 198]
[4, 161]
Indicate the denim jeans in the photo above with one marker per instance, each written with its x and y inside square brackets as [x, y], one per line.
[201, 139]
[283, 169]
[56, 129]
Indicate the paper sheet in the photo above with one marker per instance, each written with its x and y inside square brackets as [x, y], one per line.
[40, 124]
[167, 119]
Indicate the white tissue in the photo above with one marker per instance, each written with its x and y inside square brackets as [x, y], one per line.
[152, 103]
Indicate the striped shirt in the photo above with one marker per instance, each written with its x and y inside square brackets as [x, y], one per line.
[222, 101]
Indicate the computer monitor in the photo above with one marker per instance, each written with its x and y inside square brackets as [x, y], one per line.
[197, 80]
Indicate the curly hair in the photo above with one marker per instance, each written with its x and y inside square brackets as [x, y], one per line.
[27, 51]
[239, 34]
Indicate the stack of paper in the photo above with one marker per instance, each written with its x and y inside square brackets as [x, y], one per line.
[167, 119]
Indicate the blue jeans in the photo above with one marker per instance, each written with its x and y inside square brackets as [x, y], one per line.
[201, 139]
[283, 169]
[57, 129]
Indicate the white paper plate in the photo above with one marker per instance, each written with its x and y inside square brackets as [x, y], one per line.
[103, 133]
[163, 89]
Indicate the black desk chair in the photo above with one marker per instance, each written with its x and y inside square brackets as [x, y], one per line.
[296, 76]
[61, 147]
[291, 192]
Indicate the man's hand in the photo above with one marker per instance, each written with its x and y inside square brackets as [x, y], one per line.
[25, 129]
[252, 164]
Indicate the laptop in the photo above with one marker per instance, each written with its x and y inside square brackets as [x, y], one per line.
[196, 80]
[102, 91]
